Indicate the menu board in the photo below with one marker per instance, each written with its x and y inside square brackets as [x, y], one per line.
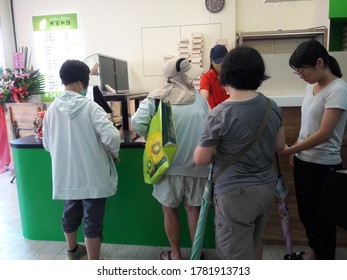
[57, 39]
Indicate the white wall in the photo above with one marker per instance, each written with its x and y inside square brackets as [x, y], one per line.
[114, 27]
[7, 31]
[291, 15]
[255, 15]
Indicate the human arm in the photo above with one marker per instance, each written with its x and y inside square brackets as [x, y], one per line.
[280, 140]
[205, 93]
[45, 140]
[325, 131]
[141, 120]
[203, 155]
[206, 87]
[106, 131]
[209, 138]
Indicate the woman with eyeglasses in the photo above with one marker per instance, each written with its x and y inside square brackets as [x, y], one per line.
[317, 149]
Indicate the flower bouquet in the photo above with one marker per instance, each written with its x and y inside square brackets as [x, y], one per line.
[17, 85]
[38, 123]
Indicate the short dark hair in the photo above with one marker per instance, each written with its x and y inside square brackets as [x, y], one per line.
[73, 71]
[307, 53]
[243, 68]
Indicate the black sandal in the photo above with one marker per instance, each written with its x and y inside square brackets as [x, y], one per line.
[166, 253]
[294, 256]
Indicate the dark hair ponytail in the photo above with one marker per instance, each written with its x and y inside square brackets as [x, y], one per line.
[334, 66]
[307, 53]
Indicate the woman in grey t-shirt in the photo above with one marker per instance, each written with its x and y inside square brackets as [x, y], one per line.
[244, 192]
[317, 150]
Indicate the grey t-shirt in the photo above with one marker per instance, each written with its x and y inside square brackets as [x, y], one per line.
[332, 96]
[230, 127]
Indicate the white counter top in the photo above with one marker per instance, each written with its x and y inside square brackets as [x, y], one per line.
[287, 101]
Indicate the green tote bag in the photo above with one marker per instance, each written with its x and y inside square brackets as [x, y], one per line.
[161, 144]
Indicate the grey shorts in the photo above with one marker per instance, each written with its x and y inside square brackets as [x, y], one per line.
[91, 211]
[171, 190]
[240, 219]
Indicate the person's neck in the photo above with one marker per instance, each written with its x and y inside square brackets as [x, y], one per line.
[75, 87]
[242, 95]
[324, 81]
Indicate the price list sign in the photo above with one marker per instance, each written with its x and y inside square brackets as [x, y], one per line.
[57, 39]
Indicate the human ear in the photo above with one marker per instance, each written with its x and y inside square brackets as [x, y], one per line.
[320, 63]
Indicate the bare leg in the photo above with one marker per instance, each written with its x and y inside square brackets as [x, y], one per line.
[93, 247]
[193, 216]
[172, 229]
[71, 240]
[258, 252]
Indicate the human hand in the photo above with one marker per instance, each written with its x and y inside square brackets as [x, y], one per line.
[287, 151]
[291, 160]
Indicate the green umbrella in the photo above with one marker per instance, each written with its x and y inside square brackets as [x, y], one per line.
[202, 221]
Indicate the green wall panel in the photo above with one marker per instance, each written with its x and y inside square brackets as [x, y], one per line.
[337, 8]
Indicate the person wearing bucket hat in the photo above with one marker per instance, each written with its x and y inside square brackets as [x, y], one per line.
[210, 86]
[183, 181]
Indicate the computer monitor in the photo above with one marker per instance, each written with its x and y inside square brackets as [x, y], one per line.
[122, 79]
[100, 99]
[113, 72]
[107, 69]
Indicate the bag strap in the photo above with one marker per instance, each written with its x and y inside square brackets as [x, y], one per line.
[249, 145]
[157, 101]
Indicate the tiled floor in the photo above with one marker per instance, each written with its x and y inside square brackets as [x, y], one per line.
[13, 246]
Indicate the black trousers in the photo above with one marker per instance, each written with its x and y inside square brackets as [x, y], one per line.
[309, 180]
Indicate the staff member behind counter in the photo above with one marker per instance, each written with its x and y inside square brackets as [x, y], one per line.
[210, 85]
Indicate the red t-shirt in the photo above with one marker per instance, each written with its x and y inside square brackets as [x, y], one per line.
[210, 82]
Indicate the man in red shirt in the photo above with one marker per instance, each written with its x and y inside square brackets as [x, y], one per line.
[210, 86]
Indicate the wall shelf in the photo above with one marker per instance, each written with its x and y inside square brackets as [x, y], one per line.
[280, 41]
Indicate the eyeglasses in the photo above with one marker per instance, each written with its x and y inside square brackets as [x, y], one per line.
[300, 71]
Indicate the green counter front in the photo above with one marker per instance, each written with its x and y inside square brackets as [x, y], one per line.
[132, 216]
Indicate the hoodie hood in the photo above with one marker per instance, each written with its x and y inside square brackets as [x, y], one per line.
[70, 103]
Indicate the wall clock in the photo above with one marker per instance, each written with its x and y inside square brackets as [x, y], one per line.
[214, 6]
